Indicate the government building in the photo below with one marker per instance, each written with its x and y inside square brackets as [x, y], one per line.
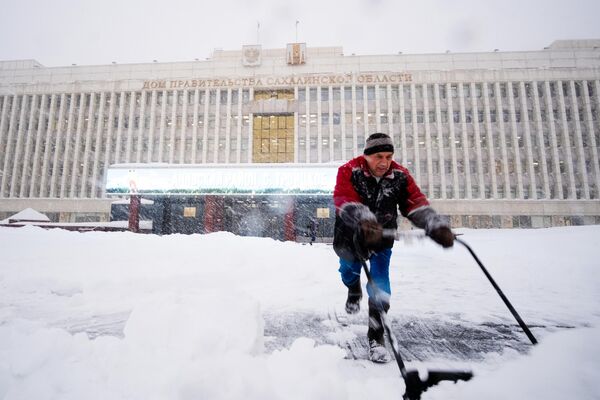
[494, 139]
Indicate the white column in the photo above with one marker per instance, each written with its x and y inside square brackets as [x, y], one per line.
[119, 141]
[500, 121]
[377, 110]
[415, 132]
[319, 128]
[553, 142]
[38, 148]
[163, 117]
[428, 141]
[3, 119]
[541, 145]
[47, 147]
[99, 190]
[9, 140]
[402, 126]
[27, 156]
[68, 146]
[527, 138]
[111, 123]
[250, 127]
[217, 125]
[455, 187]
[131, 122]
[465, 142]
[173, 127]
[365, 118]
[152, 128]
[478, 153]
[441, 161]
[183, 128]
[296, 125]
[17, 152]
[515, 140]
[331, 142]
[591, 133]
[307, 89]
[87, 141]
[141, 128]
[238, 152]
[343, 120]
[566, 142]
[579, 141]
[390, 115]
[354, 127]
[228, 126]
[490, 141]
[83, 192]
[195, 126]
[205, 130]
[57, 145]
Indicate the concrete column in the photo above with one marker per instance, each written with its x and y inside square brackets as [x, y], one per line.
[141, 128]
[173, 128]
[296, 126]
[3, 122]
[205, 131]
[57, 145]
[38, 148]
[84, 192]
[490, 141]
[440, 131]
[307, 133]
[20, 132]
[503, 149]
[131, 122]
[377, 110]
[465, 142]
[553, 142]
[119, 141]
[9, 150]
[515, 140]
[331, 142]
[478, 153]
[183, 128]
[354, 127]
[415, 131]
[228, 126]
[25, 176]
[452, 142]
[195, 125]
[579, 141]
[47, 146]
[109, 131]
[319, 128]
[428, 141]
[75, 168]
[541, 145]
[402, 126]
[360, 146]
[343, 120]
[250, 129]
[527, 138]
[238, 152]
[68, 145]
[100, 190]
[161, 133]
[152, 127]
[390, 115]
[566, 142]
[592, 145]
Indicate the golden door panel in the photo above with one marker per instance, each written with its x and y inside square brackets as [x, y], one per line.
[273, 138]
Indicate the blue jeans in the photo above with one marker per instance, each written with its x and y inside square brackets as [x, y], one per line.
[380, 271]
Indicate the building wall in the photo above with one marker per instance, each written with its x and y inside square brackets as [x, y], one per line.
[502, 126]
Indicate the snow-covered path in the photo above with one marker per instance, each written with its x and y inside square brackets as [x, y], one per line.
[124, 316]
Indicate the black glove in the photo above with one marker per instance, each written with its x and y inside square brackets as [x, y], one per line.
[442, 235]
[371, 233]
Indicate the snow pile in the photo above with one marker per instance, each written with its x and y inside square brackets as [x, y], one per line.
[193, 306]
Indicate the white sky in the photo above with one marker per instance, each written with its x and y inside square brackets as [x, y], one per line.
[63, 32]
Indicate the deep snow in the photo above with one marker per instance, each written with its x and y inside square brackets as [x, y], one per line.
[126, 316]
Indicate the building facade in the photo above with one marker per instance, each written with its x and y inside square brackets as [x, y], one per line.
[498, 139]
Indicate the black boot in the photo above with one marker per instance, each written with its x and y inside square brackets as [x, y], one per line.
[354, 297]
[377, 350]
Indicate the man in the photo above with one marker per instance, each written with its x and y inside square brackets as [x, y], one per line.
[369, 191]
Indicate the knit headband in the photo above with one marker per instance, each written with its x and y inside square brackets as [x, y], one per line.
[376, 145]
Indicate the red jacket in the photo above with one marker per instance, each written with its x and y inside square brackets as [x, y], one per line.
[396, 190]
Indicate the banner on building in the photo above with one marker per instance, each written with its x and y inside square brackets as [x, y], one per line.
[251, 55]
[296, 53]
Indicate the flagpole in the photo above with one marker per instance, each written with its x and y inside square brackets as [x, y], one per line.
[257, 32]
[297, 22]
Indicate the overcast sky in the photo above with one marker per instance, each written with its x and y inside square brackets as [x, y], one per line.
[83, 32]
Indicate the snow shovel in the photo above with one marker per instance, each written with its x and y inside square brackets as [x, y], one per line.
[414, 385]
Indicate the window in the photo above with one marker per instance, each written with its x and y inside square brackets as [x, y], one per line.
[313, 94]
[302, 94]
[336, 93]
[456, 116]
[325, 119]
[370, 93]
[324, 94]
[420, 118]
[347, 93]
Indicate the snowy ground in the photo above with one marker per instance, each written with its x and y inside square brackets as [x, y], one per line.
[124, 316]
